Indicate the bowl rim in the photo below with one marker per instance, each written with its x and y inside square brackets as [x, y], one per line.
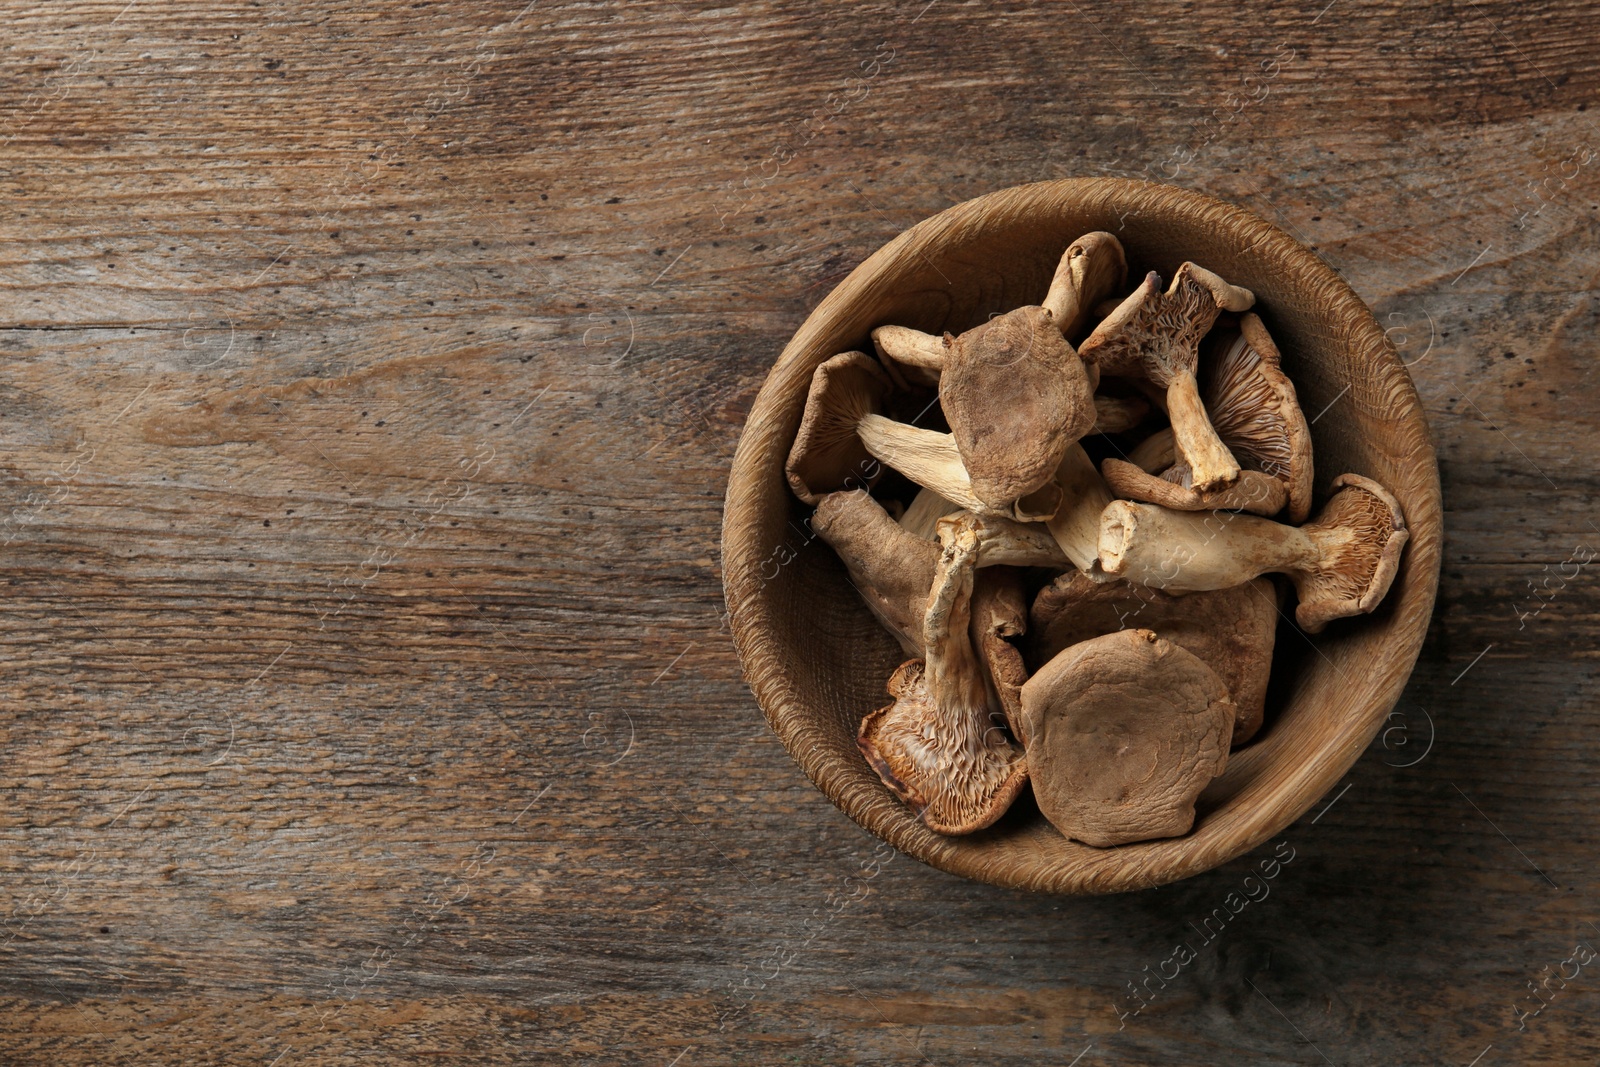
[783, 706]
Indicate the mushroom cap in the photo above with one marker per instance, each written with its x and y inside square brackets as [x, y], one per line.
[1124, 731]
[827, 454]
[1255, 412]
[1361, 532]
[1233, 631]
[1255, 491]
[1000, 611]
[1155, 334]
[1091, 269]
[1016, 395]
[891, 567]
[957, 780]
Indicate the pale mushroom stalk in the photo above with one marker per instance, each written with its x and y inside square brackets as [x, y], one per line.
[927, 508]
[1092, 268]
[920, 356]
[1002, 542]
[941, 746]
[1156, 335]
[1341, 564]
[1076, 524]
[932, 460]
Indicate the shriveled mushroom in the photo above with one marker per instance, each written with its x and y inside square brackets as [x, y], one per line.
[1003, 542]
[918, 356]
[1000, 612]
[1156, 335]
[1341, 563]
[1076, 523]
[927, 508]
[932, 460]
[1124, 731]
[1232, 631]
[1092, 268]
[828, 454]
[942, 746]
[1155, 453]
[1255, 491]
[890, 566]
[1254, 410]
[1016, 396]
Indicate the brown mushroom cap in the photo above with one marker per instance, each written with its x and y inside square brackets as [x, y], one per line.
[1156, 335]
[1091, 269]
[941, 746]
[1124, 731]
[827, 454]
[1232, 631]
[1254, 410]
[891, 567]
[1360, 532]
[1016, 396]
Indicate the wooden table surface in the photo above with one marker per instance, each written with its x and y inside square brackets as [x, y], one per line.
[370, 382]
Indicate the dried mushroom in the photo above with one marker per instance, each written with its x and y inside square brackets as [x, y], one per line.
[927, 508]
[942, 746]
[1016, 396]
[1255, 412]
[1124, 731]
[828, 453]
[1076, 523]
[1255, 491]
[1232, 631]
[932, 460]
[1341, 564]
[890, 567]
[1092, 268]
[1156, 335]
[1116, 414]
[1000, 612]
[917, 356]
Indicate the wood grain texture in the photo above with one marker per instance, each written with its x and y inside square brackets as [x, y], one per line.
[371, 378]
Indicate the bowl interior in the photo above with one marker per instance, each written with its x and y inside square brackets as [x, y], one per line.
[817, 660]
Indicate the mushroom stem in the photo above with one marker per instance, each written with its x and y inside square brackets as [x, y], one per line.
[932, 460]
[1192, 551]
[922, 352]
[1341, 564]
[1076, 524]
[1092, 268]
[1002, 542]
[1155, 453]
[941, 746]
[1213, 466]
[926, 509]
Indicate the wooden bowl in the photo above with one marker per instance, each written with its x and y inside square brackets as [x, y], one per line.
[818, 661]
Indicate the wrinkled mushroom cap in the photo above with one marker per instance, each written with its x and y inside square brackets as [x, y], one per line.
[1361, 532]
[1016, 395]
[1254, 410]
[1232, 631]
[891, 567]
[827, 454]
[1124, 731]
